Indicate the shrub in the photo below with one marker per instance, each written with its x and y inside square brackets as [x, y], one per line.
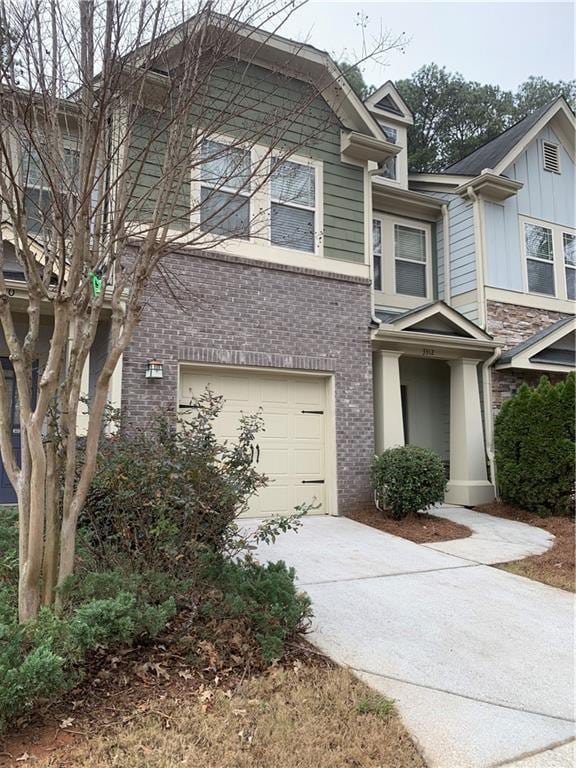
[263, 595]
[408, 479]
[534, 441]
[162, 493]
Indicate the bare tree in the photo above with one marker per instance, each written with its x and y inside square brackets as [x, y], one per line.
[107, 110]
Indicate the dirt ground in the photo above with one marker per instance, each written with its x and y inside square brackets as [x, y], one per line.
[153, 712]
[556, 566]
[421, 528]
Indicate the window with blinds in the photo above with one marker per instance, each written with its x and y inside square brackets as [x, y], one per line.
[569, 249]
[551, 156]
[539, 259]
[377, 254]
[410, 260]
[39, 193]
[293, 206]
[225, 189]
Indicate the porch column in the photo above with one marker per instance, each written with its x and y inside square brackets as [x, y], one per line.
[82, 414]
[115, 393]
[388, 423]
[468, 484]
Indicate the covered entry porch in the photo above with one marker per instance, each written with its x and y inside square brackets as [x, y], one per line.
[428, 371]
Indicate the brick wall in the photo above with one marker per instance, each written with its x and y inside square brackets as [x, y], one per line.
[516, 324]
[218, 309]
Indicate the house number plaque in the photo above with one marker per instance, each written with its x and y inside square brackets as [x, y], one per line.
[427, 352]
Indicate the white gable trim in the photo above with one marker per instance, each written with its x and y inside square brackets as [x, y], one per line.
[389, 89]
[522, 359]
[450, 315]
[559, 108]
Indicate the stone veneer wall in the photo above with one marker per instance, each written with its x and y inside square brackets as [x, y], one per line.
[213, 308]
[516, 324]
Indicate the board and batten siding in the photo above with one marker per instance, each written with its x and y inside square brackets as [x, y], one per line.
[462, 247]
[547, 196]
[267, 108]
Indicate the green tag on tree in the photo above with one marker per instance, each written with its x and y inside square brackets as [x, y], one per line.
[96, 281]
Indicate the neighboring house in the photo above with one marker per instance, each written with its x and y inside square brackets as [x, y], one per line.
[371, 310]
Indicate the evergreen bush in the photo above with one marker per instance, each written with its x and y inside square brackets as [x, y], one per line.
[534, 441]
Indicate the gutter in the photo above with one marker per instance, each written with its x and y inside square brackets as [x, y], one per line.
[479, 239]
[488, 414]
[446, 233]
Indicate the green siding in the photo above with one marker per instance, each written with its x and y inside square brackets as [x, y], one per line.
[266, 108]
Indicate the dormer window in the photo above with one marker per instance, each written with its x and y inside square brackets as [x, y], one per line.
[551, 156]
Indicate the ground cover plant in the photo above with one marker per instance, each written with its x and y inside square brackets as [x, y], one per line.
[158, 549]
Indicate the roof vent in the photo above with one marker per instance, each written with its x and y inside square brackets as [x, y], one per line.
[551, 153]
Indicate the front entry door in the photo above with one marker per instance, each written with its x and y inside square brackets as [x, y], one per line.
[7, 494]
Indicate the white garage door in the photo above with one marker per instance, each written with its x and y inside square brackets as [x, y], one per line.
[291, 449]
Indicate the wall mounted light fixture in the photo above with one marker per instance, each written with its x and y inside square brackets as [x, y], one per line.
[154, 369]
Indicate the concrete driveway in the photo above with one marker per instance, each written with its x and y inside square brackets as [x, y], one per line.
[479, 661]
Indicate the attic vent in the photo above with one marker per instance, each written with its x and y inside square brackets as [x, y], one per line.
[388, 105]
[551, 153]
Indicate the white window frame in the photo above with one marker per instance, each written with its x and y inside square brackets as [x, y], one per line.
[566, 265]
[560, 290]
[557, 148]
[198, 183]
[388, 296]
[309, 163]
[378, 221]
[258, 245]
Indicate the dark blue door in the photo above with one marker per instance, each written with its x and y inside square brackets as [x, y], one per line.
[7, 495]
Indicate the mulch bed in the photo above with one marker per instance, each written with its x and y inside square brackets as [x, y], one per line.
[420, 528]
[119, 686]
[555, 567]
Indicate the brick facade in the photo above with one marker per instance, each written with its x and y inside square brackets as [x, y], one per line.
[516, 324]
[213, 308]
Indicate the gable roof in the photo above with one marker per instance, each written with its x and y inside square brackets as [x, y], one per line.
[532, 353]
[425, 319]
[490, 154]
[387, 103]
[502, 151]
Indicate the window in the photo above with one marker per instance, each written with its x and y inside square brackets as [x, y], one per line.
[569, 251]
[39, 192]
[225, 189]
[551, 155]
[410, 260]
[293, 206]
[539, 259]
[388, 167]
[377, 253]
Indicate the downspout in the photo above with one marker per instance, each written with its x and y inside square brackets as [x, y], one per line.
[479, 240]
[446, 238]
[488, 414]
[370, 245]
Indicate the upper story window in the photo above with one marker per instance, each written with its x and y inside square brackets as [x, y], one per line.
[551, 156]
[540, 259]
[293, 206]
[39, 192]
[550, 258]
[225, 189]
[410, 258]
[389, 166]
[569, 252]
[401, 259]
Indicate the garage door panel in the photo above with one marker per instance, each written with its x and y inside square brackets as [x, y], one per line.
[291, 447]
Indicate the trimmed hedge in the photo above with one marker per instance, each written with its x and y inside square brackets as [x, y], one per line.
[535, 448]
[408, 479]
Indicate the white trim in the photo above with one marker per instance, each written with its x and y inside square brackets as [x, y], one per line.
[258, 245]
[330, 442]
[531, 300]
[557, 262]
[389, 89]
[449, 314]
[522, 359]
[559, 106]
[439, 179]
[389, 295]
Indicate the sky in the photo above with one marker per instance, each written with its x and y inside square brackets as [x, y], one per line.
[490, 42]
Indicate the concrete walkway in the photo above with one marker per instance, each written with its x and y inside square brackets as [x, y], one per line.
[479, 661]
[494, 539]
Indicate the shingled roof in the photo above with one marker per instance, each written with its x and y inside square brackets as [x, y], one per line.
[495, 150]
